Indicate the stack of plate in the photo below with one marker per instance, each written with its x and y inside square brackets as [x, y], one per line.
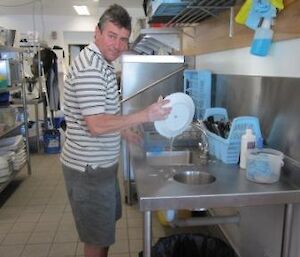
[182, 113]
[5, 171]
[11, 143]
[19, 159]
[13, 150]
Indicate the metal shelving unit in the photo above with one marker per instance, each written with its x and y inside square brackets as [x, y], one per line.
[190, 14]
[11, 52]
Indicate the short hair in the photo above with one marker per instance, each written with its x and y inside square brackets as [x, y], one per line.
[117, 15]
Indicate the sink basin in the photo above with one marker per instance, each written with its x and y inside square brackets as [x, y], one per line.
[169, 158]
[194, 177]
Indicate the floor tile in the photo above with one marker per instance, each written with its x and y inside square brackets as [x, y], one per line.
[16, 238]
[46, 226]
[135, 222]
[135, 245]
[121, 246]
[41, 237]
[62, 249]
[135, 232]
[36, 250]
[65, 236]
[2, 236]
[23, 227]
[11, 251]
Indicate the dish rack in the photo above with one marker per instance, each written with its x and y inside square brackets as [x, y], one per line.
[197, 84]
[228, 150]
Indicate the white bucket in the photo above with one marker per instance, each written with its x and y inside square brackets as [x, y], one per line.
[264, 165]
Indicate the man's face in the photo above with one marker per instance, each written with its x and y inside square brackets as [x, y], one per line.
[111, 40]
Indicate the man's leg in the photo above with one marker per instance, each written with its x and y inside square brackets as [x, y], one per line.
[95, 251]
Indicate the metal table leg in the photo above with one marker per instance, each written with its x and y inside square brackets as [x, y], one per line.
[36, 110]
[287, 230]
[147, 233]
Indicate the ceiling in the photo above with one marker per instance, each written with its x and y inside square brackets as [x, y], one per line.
[59, 7]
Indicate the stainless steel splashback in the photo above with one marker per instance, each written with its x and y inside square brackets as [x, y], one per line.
[275, 101]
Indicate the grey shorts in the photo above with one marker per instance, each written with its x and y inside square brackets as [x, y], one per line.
[96, 203]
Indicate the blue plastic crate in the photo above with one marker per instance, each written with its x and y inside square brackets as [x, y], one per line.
[228, 150]
[167, 7]
[197, 84]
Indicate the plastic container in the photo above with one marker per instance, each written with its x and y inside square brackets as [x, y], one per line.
[52, 141]
[264, 165]
[262, 39]
[197, 84]
[247, 142]
[228, 150]
[167, 7]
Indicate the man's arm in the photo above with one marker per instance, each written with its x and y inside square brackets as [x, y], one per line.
[103, 123]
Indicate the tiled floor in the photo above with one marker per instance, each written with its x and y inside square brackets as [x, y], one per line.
[36, 220]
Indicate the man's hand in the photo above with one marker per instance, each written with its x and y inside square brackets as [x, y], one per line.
[158, 110]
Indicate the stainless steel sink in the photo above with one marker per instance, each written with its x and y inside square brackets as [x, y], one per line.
[169, 158]
[194, 177]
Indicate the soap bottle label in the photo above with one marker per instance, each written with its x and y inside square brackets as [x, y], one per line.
[250, 145]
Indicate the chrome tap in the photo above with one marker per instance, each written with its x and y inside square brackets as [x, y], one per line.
[203, 143]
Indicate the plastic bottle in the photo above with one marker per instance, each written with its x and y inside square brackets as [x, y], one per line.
[262, 40]
[247, 142]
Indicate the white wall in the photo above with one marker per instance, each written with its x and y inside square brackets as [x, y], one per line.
[282, 61]
[63, 25]
[69, 29]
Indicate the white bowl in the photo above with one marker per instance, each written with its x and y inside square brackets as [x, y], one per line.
[182, 113]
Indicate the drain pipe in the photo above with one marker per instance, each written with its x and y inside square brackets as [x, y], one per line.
[206, 221]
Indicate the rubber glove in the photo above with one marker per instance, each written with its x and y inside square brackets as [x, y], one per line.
[243, 13]
[278, 4]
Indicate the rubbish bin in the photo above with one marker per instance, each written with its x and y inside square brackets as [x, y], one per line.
[190, 245]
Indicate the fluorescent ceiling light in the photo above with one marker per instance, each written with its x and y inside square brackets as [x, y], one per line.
[81, 9]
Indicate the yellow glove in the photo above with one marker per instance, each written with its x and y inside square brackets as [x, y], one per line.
[243, 13]
[278, 4]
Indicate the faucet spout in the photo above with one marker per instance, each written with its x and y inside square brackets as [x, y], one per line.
[203, 143]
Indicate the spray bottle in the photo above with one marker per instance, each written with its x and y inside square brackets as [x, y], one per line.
[262, 38]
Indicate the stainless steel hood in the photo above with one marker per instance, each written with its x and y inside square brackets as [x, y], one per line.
[153, 41]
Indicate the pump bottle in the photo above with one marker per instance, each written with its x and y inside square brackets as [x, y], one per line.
[262, 40]
[247, 142]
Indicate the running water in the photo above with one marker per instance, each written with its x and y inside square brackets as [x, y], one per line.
[171, 143]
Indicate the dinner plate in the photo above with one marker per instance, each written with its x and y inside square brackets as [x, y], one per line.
[182, 113]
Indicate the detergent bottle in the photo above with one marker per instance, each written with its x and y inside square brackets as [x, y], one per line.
[262, 38]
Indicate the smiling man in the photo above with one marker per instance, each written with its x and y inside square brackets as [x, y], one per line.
[94, 127]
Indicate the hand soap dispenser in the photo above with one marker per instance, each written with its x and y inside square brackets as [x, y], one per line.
[262, 38]
[247, 142]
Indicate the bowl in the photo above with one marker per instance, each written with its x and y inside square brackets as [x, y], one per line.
[264, 165]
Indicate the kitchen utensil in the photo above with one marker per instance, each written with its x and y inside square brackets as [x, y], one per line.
[179, 119]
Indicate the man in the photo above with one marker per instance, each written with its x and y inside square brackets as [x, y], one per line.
[91, 150]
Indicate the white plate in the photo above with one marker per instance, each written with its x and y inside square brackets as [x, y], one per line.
[179, 119]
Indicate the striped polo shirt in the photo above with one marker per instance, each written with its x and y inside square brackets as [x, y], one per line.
[90, 88]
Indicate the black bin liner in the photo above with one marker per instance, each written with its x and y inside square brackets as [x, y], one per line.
[190, 245]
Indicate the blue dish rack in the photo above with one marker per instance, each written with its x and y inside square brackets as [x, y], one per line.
[228, 150]
[197, 84]
[167, 7]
